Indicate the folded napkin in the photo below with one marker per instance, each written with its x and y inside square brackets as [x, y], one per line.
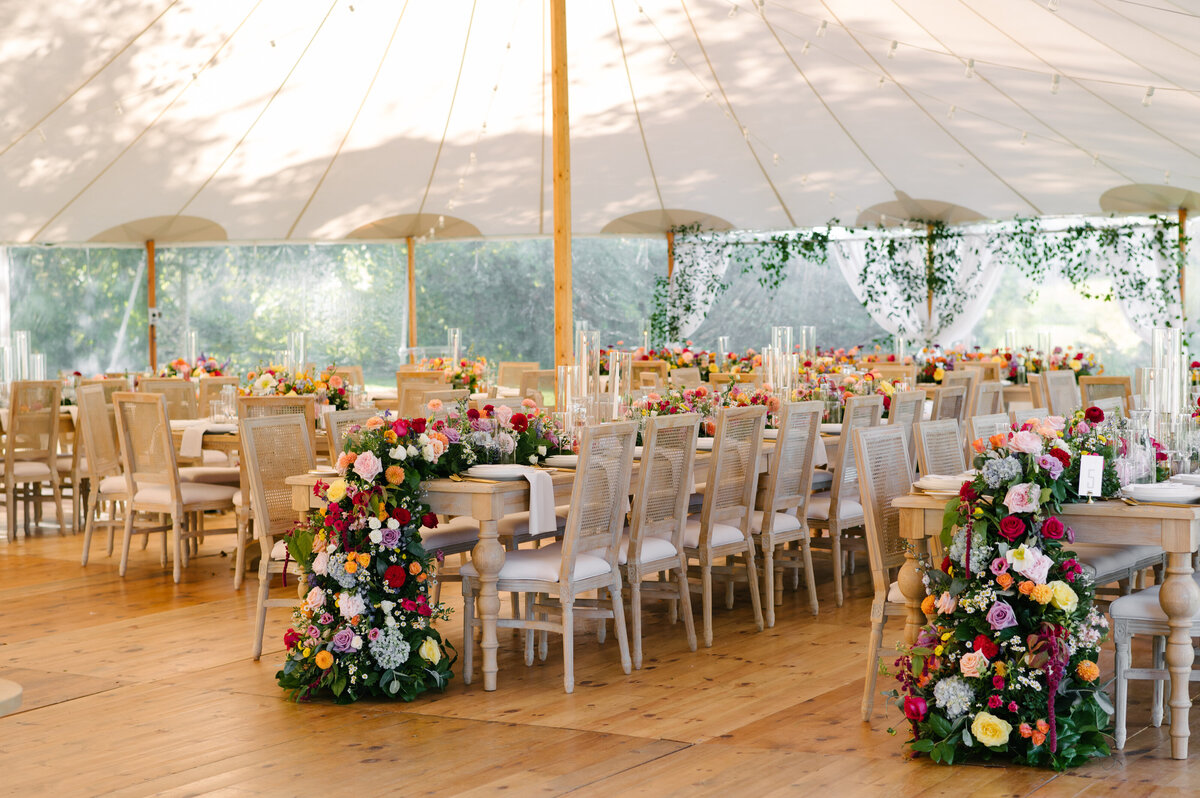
[541, 502]
[192, 445]
[820, 456]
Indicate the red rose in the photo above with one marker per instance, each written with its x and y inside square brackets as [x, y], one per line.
[891, 358]
[429, 521]
[1011, 527]
[1061, 456]
[290, 638]
[946, 565]
[395, 576]
[1094, 415]
[1195, 365]
[1052, 528]
[400, 427]
[915, 707]
[488, 410]
[1079, 355]
[418, 425]
[887, 403]
[984, 644]
[401, 515]
[473, 414]
[967, 492]
[520, 422]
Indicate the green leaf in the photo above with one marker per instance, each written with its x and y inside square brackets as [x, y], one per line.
[967, 739]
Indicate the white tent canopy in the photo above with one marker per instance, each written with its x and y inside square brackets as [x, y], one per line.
[307, 119]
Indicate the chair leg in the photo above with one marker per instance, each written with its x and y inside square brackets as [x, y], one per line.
[752, 577]
[769, 582]
[112, 524]
[618, 608]
[706, 602]
[10, 512]
[468, 630]
[568, 631]
[730, 561]
[806, 551]
[1159, 646]
[685, 601]
[876, 640]
[635, 613]
[529, 633]
[1121, 641]
[177, 537]
[835, 538]
[264, 589]
[125, 541]
[88, 528]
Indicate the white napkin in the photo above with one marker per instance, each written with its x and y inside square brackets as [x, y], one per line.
[820, 456]
[541, 502]
[192, 445]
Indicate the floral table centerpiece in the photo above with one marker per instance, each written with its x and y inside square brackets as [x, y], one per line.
[205, 366]
[466, 373]
[1007, 665]
[278, 381]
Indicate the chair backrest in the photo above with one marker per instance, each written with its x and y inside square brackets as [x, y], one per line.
[180, 395]
[685, 378]
[449, 400]
[32, 432]
[1113, 405]
[210, 389]
[110, 385]
[660, 492]
[509, 372]
[336, 424]
[733, 470]
[275, 448]
[860, 412]
[659, 367]
[969, 379]
[790, 472]
[1035, 390]
[1093, 389]
[986, 426]
[98, 423]
[421, 378]
[939, 448]
[541, 382]
[350, 374]
[950, 402]
[990, 399]
[147, 448]
[1020, 416]
[259, 406]
[907, 408]
[598, 495]
[1062, 394]
[882, 479]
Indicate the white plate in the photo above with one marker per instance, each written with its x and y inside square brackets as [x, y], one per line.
[1186, 479]
[941, 482]
[831, 429]
[705, 444]
[1172, 492]
[563, 461]
[323, 472]
[498, 471]
[637, 452]
[770, 434]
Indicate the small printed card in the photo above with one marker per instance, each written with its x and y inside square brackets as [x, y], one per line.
[1091, 474]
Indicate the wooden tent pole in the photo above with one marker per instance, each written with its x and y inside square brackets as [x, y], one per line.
[151, 285]
[561, 146]
[412, 296]
[670, 253]
[1183, 214]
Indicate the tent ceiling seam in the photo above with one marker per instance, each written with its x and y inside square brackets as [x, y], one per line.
[362, 104]
[89, 79]
[733, 114]
[939, 125]
[636, 112]
[450, 112]
[146, 129]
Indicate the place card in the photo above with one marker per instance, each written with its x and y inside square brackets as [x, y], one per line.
[1091, 474]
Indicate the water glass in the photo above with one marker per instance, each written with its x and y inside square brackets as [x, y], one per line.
[216, 411]
[37, 366]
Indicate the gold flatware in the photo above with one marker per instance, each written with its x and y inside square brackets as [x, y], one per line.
[457, 478]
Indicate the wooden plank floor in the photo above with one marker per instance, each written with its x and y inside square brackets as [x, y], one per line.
[138, 686]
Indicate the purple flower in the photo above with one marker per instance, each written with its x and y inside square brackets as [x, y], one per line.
[452, 434]
[374, 634]
[389, 537]
[998, 566]
[314, 632]
[325, 619]
[1049, 464]
[343, 641]
[1001, 616]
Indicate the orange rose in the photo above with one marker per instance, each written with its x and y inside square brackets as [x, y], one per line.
[364, 559]
[1025, 588]
[1005, 581]
[414, 567]
[977, 445]
[1038, 738]
[390, 436]
[998, 440]
[351, 567]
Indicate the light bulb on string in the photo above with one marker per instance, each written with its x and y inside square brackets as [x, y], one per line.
[892, 48]
[117, 106]
[1148, 97]
[1024, 137]
[804, 49]
[1054, 81]
[1052, 5]
[1167, 177]
[970, 67]
[450, 205]
[673, 58]
[272, 42]
[804, 180]
[733, 10]
[950, 112]
[746, 133]
[461, 183]
[707, 96]
[775, 158]
[472, 157]
[822, 27]
[832, 197]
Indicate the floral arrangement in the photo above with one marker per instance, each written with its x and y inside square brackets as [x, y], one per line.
[1007, 665]
[498, 434]
[676, 357]
[278, 381]
[700, 400]
[205, 366]
[466, 373]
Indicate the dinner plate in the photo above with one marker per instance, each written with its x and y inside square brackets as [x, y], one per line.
[498, 471]
[1173, 492]
[770, 434]
[705, 444]
[563, 461]
[942, 482]
[1187, 479]
[940, 494]
[323, 472]
[831, 429]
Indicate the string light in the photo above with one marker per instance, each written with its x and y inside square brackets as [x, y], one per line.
[1148, 97]
[950, 113]
[804, 49]
[1167, 177]
[746, 133]
[1052, 5]
[775, 158]
[1054, 83]
[822, 27]
[441, 221]
[733, 11]
[272, 42]
[892, 48]
[804, 180]
[832, 197]
[970, 67]
[707, 96]
[1024, 137]
[119, 109]
[673, 58]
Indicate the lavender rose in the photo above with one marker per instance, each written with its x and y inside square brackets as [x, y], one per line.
[1051, 465]
[389, 538]
[343, 641]
[1001, 616]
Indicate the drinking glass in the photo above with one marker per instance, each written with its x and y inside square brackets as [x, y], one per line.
[454, 343]
[37, 366]
[216, 411]
[229, 401]
[297, 350]
[781, 339]
[723, 350]
[620, 384]
[190, 350]
[20, 345]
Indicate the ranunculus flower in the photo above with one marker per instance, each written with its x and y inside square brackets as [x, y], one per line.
[990, 730]
[1071, 569]
[1011, 528]
[1053, 528]
[1062, 455]
[395, 576]
[1023, 498]
[1001, 616]
[995, 702]
[1026, 441]
[290, 638]
[984, 643]
[429, 521]
[430, 651]
[367, 466]
[973, 665]
[915, 707]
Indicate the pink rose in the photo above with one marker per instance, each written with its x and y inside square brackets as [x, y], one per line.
[1024, 497]
[973, 665]
[946, 603]
[1026, 441]
[503, 414]
[1056, 423]
[367, 466]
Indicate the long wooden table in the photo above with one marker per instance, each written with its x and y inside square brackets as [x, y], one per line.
[487, 503]
[1175, 529]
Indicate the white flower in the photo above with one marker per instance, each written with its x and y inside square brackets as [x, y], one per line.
[533, 459]
[541, 451]
[320, 564]
[428, 454]
[392, 523]
[374, 523]
[422, 439]
[376, 536]
[413, 451]
[350, 604]
[390, 621]
[398, 452]
[387, 606]
[265, 383]
[357, 642]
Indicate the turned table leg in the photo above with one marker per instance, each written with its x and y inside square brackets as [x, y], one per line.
[1180, 600]
[488, 559]
[912, 524]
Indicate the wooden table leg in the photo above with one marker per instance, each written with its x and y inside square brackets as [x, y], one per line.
[488, 559]
[1180, 600]
[912, 529]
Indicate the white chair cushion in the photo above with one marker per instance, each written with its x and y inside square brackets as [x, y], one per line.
[721, 534]
[1142, 606]
[111, 485]
[279, 550]
[818, 507]
[543, 565]
[822, 480]
[784, 522]
[653, 549]
[517, 524]
[213, 475]
[28, 470]
[457, 531]
[189, 492]
[210, 457]
[63, 463]
[1105, 559]
[894, 594]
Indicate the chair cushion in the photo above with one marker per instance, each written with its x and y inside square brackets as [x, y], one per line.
[653, 549]
[517, 524]
[543, 565]
[721, 534]
[210, 457]
[28, 470]
[189, 492]
[458, 531]
[111, 485]
[238, 498]
[894, 594]
[213, 475]
[279, 550]
[1142, 606]
[1108, 560]
[63, 463]
[818, 507]
[784, 522]
[822, 480]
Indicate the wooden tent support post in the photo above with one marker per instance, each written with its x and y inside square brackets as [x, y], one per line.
[412, 296]
[151, 284]
[670, 253]
[1183, 214]
[561, 146]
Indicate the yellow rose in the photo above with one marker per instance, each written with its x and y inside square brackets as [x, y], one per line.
[324, 661]
[990, 730]
[430, 652]
[336, 490]
[1075, 365]
[1062, 596]
[938, 374]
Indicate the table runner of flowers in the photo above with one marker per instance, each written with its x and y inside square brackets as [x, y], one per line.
[278, 381]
